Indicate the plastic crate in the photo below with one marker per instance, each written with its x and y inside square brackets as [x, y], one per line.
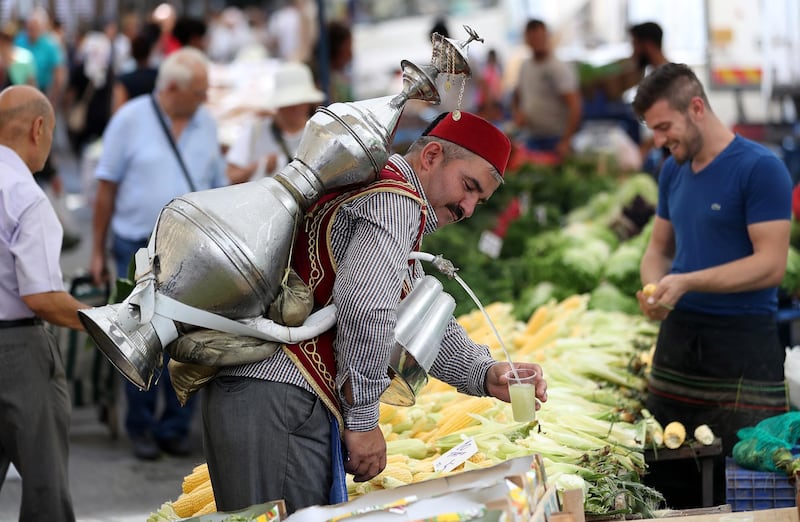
[749, 490]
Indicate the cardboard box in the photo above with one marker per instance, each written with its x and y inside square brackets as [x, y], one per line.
[274, 511]
[461, 492]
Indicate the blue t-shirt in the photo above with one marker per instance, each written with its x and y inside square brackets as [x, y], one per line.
[710, 211]
[47, 54]
[138, 157]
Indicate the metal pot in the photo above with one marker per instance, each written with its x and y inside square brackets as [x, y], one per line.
[422, 319]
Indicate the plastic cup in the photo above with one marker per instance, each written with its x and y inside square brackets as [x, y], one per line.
[522, 389]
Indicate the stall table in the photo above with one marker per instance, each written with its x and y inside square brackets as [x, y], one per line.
[694, 450]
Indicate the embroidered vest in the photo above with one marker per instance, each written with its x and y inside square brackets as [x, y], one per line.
[313, 261]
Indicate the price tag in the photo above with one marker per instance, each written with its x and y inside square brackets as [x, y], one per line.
[456, 456]
[490, 244]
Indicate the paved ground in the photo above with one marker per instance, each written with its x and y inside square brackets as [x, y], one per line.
[108, 484]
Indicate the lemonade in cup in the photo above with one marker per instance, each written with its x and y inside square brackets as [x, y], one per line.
[522, 389]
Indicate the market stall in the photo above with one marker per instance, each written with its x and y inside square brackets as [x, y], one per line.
[571, 312]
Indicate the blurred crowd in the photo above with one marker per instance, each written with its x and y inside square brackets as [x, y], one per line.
[90, 74]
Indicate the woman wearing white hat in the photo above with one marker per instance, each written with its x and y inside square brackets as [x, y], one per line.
[268, 144]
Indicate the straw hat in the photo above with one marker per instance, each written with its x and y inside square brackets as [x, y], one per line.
[293, 86]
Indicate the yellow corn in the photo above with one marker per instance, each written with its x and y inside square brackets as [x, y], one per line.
[388, 412]
[198, 476]
[573, 302]
[183, 506]
[482, 334]
[471, 321]
[499, 311]
[478, 457]
[425, 475]
[457, 417]
[419, 465]
[399, 473]
[189, 503]
[537, 320]
[209, 508]
[397, 458]
[436, 386]
[540, 338]
[362, 488]
[674, 435]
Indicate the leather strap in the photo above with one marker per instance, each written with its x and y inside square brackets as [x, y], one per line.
[16, 323]
[276, 132]
[172, 143]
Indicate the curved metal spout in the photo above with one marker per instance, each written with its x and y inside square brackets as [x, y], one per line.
[419, 83]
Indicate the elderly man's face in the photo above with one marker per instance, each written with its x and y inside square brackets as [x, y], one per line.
[457, 186]
[189, 98]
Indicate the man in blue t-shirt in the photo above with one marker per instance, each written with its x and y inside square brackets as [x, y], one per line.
[716, 256]
[51, 73]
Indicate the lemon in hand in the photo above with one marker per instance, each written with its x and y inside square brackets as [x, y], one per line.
[649, 289]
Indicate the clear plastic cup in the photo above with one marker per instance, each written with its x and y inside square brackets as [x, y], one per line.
[522, 389]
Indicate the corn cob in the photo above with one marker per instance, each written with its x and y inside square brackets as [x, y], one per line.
[197, 477]
[209, 508]
[387, 413]
[436, 386]
[472, 320]
[478, 457]
[415, 448]
[396, 473]
[189, 503]
[574, 303]
[537, 320]
[458, 417]
[674, 435]
[397, 458]
[704, 435]
[533, 342]
[425, 475]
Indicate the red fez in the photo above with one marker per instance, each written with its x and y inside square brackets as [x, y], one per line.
[476, 135]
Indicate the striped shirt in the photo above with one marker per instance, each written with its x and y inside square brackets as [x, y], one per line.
[372, 237]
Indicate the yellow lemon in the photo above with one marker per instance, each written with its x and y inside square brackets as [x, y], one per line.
[649, 289]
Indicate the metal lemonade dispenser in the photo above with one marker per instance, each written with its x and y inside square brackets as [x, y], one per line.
[218, 256]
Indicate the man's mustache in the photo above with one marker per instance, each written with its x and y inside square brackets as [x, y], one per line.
[457, 211]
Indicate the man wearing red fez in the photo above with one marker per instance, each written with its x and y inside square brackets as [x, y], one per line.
[271, 429]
